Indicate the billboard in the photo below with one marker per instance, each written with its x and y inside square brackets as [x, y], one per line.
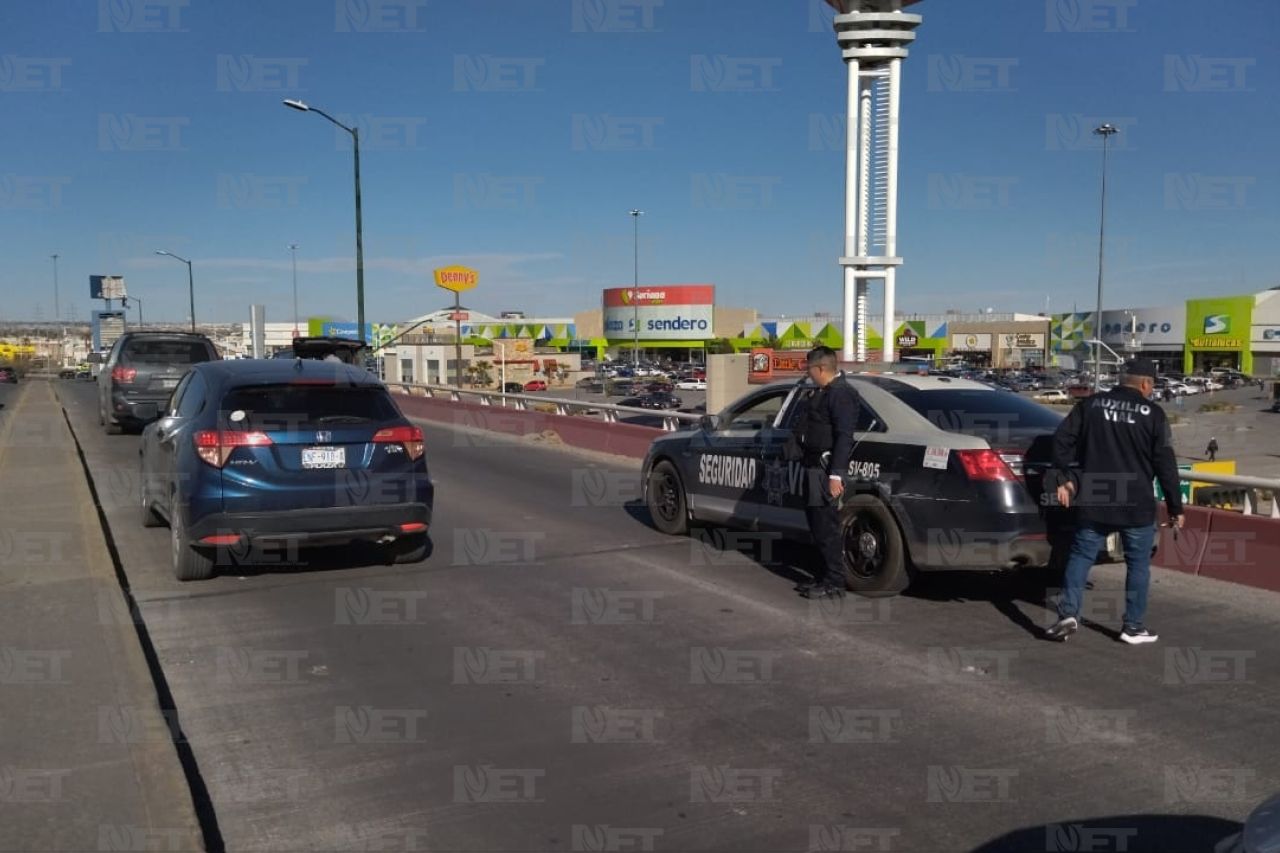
[1219, 323]
[672, 312]
[1153, 328]
[105, 327]
[106, 287]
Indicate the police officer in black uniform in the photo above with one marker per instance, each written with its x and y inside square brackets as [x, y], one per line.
[1106, 453]
[823, 440]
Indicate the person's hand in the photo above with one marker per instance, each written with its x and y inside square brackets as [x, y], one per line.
[1178, 521]
[1064, 494]
[835, 487]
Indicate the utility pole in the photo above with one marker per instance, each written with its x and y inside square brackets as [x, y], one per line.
[635, 289]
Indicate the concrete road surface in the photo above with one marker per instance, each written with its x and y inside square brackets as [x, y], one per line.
[559, 676]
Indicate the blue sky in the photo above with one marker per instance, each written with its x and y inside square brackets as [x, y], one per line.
[515, 136]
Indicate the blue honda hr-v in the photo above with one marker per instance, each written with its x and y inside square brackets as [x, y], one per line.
[250, 454]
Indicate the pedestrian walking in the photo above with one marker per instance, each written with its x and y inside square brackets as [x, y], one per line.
[823, 441]
[1106, 453]
[1212, 450]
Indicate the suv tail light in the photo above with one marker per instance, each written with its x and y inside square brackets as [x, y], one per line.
[409, 437]
[214, 446]
[985, 465]
[125, 375]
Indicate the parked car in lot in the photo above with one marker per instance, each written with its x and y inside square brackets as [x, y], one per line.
[255, 452]
[8, 375]
[513, 388]
[946, 474]
[1053, 395]
[140, 372]
[535, 385]
[653, 401]
[692, 385]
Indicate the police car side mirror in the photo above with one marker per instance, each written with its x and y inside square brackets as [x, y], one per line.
[709, 423]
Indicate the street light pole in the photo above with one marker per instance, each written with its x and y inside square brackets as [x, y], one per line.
[355, 145]
[293, 250]
[56, 311]
[191, 285]
[1105, 131]
[635, 288]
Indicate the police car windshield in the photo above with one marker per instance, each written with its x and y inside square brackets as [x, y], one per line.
[974, 411]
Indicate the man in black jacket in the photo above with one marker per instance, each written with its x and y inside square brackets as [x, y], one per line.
[1107, 452]
[825, 438]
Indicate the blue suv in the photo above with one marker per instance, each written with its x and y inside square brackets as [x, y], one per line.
[255, 453]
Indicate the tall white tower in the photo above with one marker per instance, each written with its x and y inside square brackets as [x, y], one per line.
[873, 36]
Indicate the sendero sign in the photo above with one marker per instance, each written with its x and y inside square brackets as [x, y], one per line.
[666, 312]
[457, 278]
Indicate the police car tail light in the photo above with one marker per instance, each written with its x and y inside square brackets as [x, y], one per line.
[985, 465]
[409, 437]
[214, 446]
[1015, 460]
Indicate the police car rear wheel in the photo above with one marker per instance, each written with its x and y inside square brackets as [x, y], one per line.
[875, 560]
[667, 504]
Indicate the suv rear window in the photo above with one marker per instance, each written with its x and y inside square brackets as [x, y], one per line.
[977, 412]
[165, 352]
[282, 407]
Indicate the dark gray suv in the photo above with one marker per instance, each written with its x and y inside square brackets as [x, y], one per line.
[140, 373]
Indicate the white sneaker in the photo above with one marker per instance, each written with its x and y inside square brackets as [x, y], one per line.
[1137, 636]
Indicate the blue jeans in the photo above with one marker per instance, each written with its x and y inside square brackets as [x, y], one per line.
[1089, 540]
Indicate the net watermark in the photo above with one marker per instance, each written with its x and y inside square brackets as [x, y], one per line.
[33, 666]
[1196, 191]
[485, 783]
[954, 72]
[1074, 132]
[719, 665]
[132, 724]
[365, 724]
[488, 73]
[32, 192]
[1186, 665]
[240, 666]
[29, 786]
[1088, 16]
[1198, 73]
[830, 838]
[367, 606]
[1082, 838]
[133, 132]
[244, 72]
[956, 665]
[957, 191]
[600, 487]
[614, 16]
[246, 191]
[378, 16]
[608, 132]
[601, 606]
[485, 191]
[725, 784]
[141, 16]
[722, 73]
[605, 724]
[1068, 725]
[379, 132]
[483, 665]
[1201, 785]
[32, 73]
[725, 192]
[483, 547]
[604, 838]
[718, 546]
[836, 724]
[956, 784]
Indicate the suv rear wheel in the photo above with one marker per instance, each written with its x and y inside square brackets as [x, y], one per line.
[189, 564]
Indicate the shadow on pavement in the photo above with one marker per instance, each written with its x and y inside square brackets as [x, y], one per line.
[1142, 833]
[268, 561]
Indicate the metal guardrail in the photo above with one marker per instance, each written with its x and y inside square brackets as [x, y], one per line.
[611, 412]
[673, 421]
[1250, 485]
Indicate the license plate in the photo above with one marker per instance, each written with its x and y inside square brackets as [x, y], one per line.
[168, 383]
[324, 457]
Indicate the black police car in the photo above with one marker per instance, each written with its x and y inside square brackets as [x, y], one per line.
[946, 474]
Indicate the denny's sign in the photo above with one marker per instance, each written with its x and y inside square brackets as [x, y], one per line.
[770, 365]
[457, 278]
